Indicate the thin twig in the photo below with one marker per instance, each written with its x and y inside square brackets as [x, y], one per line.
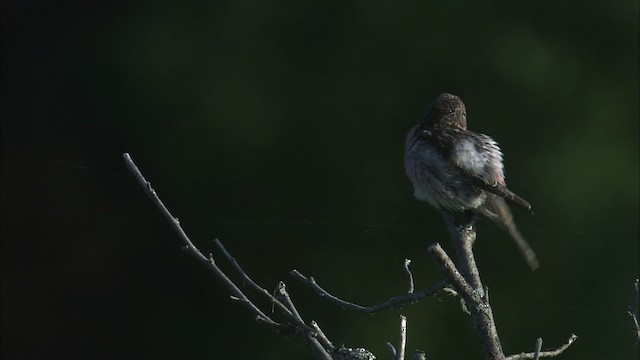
[392, 303]
[191, 248]
[392, 350]
[317, 348]
[283, 296]
[635, 326]
[299, 333]
[409, 274]
[543, 354]
[633, 313]
[322, 338]
[403, 338]
[254, 285]
[457, 281]
[537, 349]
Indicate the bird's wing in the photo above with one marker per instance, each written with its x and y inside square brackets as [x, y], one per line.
[479, 157]
[504, 192]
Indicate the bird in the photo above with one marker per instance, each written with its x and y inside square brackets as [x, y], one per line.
[458, 170]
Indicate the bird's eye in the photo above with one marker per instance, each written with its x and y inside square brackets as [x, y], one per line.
[425, 133]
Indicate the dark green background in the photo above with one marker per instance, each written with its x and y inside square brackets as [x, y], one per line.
[279, 127]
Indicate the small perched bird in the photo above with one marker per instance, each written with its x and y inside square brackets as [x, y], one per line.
[458, 170]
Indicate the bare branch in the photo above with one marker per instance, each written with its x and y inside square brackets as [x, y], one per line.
[283, 296]
[317, 348]
[392, 303]
[315, 335]
[457, 281]
[409, 274]
[633, 313]
[403, 338]
[392, 350]
[537, 349]
[209, 262]
[257, 287]
[463, 236]
[635, 326]
[399, 354]
[322, 338]
[465, 278]
[543, 354]
[298, 332]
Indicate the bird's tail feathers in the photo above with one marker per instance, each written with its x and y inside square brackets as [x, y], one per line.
[496, 209]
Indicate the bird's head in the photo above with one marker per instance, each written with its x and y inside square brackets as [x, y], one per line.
[447, 111]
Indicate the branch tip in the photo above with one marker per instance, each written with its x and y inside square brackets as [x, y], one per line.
[409, 274]
[537, 349]
[392, 349]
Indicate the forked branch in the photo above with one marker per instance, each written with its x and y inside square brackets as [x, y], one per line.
[295, 330]
[465, 279]
[463, 276]
[393, 303]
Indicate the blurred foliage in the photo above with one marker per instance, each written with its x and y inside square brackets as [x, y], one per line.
[279, 127]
